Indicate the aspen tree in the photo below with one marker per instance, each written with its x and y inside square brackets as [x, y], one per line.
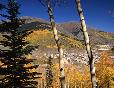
[48, 4]
[87, 43]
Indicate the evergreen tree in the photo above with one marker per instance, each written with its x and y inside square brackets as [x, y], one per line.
[14, 70]
[1, 6]
[49, 73]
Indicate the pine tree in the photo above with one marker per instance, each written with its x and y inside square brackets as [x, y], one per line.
[1, 6]
[49, 73]
[14, 70]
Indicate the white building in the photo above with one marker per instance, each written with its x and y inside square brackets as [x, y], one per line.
[103, 47]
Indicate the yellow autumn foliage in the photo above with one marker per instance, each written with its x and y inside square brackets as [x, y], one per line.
[45, 38]
[73, 76]
[104, 70]
[75, 43]
[40, 37]
[78, 76]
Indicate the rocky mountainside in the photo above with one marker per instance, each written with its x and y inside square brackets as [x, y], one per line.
[72, 29]
[29, 19]
[71, 36]
[96, 36]
[70, 32]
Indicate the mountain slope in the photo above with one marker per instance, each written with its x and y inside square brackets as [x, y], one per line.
[96, 36]
[70, 35]
[70, 30]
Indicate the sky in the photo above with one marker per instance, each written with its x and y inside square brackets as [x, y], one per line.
[97, 12]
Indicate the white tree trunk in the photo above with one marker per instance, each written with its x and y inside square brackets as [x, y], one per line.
[60, 50]
[89, 51]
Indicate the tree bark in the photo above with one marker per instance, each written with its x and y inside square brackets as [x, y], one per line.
[60, 50]
[86, 38]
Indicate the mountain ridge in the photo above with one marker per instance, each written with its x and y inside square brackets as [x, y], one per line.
[71, 29]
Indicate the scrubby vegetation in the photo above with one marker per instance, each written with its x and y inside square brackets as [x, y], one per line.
[45, 38]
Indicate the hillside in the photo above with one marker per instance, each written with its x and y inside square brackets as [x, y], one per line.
[73, 29]
[96, 36]
[70, 35]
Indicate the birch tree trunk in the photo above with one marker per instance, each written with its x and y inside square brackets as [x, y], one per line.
[60, 50]
[86, 38]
